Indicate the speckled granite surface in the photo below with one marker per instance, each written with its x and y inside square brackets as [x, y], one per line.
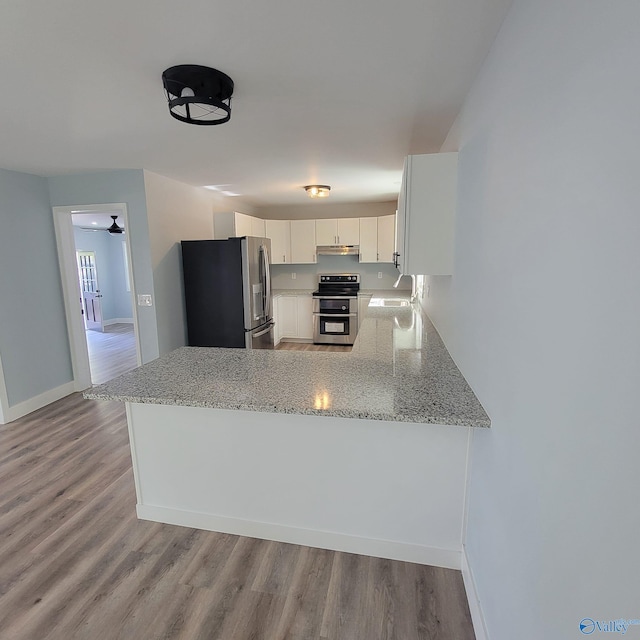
[398, 370]
[292, 292]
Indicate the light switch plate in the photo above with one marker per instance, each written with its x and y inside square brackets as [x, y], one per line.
[144, 300]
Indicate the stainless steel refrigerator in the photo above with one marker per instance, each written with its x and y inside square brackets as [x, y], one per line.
[227, 287]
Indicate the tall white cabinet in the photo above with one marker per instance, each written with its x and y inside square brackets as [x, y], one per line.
[233, 224]
[426, 214]
[279, 232]
[303, 241]
[377, 239]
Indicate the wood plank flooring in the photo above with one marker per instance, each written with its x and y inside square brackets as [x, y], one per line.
[111, 352]
[308, 346]
[76, 564]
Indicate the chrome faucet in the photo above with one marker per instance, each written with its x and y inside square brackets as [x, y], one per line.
[414, 291]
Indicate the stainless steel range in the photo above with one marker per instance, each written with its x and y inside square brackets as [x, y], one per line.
[335, 308]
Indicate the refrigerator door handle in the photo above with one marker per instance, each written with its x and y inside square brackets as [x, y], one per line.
[261, 333]
[267, 283]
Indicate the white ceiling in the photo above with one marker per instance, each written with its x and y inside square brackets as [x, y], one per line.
[334, 92]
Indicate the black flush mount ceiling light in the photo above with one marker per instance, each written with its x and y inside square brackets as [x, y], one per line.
[114, 228]
[197, 94]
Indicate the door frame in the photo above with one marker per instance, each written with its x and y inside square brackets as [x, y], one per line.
[71, 293]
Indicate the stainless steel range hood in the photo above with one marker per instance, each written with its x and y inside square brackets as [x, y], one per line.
[338, 250]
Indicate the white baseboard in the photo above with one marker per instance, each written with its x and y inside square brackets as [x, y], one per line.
[37, 402]
[106, 323]
[446, 558]
[477, 617]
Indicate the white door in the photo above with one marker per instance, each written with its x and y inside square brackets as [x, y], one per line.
[91, 296]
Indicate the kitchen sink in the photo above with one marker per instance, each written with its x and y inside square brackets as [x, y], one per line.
[388, 302]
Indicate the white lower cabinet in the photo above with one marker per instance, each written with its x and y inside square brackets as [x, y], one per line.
[294, 317]
[363, 303]
[305, 317]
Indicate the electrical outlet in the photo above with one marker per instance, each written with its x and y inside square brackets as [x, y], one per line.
[293, 275]
[379, 275]
[144, 300]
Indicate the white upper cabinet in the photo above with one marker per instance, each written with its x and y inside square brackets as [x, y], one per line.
[234, 224]
[303, 241]
[426, 214]
[243, 225]
[331, 231]
[326, 232]
[377, 239]
[349, 231]
[369, 240]
[279, 232]
[386, 238]
[258, 228]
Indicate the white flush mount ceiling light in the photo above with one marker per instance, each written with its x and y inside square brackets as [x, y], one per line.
[197, 94]
[317, 190]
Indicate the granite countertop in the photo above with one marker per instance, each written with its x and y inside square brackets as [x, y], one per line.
[399, 370]
[292, 292]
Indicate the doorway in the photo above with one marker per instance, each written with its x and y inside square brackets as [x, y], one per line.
[94, 253]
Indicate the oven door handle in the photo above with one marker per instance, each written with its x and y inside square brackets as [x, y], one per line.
[336, 297]
[335, 315]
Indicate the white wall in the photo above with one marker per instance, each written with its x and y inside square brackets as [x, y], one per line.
[176, 212]
[542, 317]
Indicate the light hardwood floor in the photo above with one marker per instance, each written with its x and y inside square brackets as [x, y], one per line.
[111, 352]
[307, 346]
[76, 564]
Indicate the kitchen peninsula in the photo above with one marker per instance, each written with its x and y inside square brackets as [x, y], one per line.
[364, 451]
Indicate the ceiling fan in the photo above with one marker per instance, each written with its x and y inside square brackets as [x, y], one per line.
[114, 228]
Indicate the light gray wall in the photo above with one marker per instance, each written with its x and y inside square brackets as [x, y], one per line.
[307, 274]
[176, 212]
[542, 317]
[33, 333]
[116, 300]
[119, 186]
